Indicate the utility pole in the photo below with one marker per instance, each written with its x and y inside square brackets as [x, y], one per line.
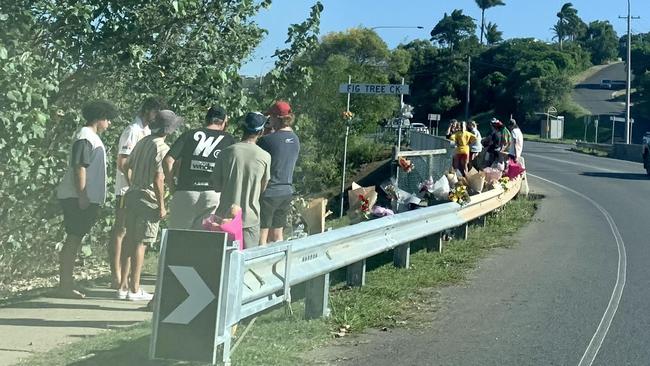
[469, 75]
[628, 122]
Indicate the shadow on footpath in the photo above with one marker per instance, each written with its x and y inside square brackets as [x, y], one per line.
[623, 176]
[80, 305]
[126, 352]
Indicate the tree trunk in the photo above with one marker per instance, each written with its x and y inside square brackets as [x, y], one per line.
[482, 24]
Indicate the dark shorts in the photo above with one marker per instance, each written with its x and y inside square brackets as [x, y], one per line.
[120, 202]
[78, 222]
[274, 211]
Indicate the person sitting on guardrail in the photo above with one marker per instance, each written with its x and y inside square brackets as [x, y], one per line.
[463, 139]
[241, 173]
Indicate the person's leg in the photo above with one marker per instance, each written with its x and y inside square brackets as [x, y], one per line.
[280, 214]
[145, 233]
[115, 246]
[137, 262]
[206, 204]
[66, 265]
[251, 237]
[181, 210]
[266, 220]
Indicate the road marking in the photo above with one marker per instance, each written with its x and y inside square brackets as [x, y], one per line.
[572, 163]
[198, 296]
[606, 321]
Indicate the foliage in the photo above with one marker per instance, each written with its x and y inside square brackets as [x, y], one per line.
[453, 29]
[492, 34]
[601, 41]
[484, 5]
[57, 55]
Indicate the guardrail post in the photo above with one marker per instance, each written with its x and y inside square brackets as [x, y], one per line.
[401, 255]
[461, 232]
[482, 221]
[316, 292]
[356, 274]
[434, 242]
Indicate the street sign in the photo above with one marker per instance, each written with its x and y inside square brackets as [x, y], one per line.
[187, 295]
[620, 119]
[396, 89]
[433, 117]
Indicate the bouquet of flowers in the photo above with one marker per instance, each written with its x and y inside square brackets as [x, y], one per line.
[347, 115]
[361, 200]
[504, 183]
[459, 195]
[405, 164]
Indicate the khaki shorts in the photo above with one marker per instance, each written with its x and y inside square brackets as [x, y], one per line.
[142, 218]
[187, 209]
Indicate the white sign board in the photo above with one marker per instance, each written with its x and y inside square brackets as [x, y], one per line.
[397, 89]
[433, 117]
[620, 119]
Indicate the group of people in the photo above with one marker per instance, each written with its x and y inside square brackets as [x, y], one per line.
[472, 150]
[206, 171]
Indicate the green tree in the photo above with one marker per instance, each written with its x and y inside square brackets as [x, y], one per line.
[601, 41]
[569, 25]
[484, 5]
[493, 35]
[453, 29]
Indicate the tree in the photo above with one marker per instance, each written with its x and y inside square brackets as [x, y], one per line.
[56, 55]
[452, 29]
[484, 5]
[601, 41]
[493, 35]
[569, 25]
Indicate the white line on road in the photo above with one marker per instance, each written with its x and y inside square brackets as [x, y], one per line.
[606, 321]
[572, 163]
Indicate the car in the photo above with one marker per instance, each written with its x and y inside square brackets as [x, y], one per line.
[646, 152]
[419, 127]
[605, 84]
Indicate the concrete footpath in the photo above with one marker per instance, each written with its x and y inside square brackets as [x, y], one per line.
[42, 324]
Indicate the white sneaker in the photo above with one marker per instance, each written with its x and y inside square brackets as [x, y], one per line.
[121, 294]
[141, 295]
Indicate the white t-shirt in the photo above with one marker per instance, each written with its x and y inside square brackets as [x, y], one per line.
[517, 145]
[95, 171]
[131, 135]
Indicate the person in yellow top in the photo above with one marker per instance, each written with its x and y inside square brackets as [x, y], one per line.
[463, 139]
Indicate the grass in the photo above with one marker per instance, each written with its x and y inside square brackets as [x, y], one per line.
[536, 138]
[390, 298]
[589, 151]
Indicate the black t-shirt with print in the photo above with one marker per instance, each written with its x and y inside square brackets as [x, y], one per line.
[197, 151]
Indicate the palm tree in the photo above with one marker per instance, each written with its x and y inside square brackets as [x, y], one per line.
[492, 34]
[484, 5]
[569, 24]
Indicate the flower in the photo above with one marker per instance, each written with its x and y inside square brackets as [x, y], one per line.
[405, 164]
[459, 195]
[347, 115]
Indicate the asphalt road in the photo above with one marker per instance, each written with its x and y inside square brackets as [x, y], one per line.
[554, 299]
[590, 96]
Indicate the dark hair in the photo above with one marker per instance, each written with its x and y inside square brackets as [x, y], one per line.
[153, 104]
[512, 123]
[248, 134]
[216, 115]
[98, 110]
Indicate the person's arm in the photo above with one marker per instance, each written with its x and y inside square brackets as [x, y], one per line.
[267, 174]
[80, 161]
[170, 172]
[159, 190]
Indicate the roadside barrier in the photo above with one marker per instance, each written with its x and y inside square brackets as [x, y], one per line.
[257, 279]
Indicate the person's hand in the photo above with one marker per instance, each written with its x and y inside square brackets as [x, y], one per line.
[84, 202]
[162, 212]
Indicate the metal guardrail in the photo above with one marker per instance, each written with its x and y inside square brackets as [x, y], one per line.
[260, 278]
[608, 148]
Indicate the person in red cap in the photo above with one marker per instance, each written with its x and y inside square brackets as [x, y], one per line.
[284, 146]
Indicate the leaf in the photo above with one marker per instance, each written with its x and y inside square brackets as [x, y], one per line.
[3, 53]
[175, 5]
[14, 95]
[86, 251]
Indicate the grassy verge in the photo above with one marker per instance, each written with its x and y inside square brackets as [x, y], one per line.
[391, 298]
[588, 151]
[536, 138]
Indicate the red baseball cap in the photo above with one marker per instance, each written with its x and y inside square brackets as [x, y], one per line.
[279, 109]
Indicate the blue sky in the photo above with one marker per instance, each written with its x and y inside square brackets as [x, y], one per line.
[519, 18]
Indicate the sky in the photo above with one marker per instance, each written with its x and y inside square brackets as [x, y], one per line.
[518, 18]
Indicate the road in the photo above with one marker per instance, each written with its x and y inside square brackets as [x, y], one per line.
[573, 292]
[590, 96]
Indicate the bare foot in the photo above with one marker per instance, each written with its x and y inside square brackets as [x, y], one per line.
[68, 294]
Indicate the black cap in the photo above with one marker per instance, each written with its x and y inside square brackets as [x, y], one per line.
[254, 122]
[215, 113]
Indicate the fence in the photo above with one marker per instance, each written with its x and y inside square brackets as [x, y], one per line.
[431, 157]
[260, 278]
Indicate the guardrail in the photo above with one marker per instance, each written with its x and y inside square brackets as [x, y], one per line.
[607, 148]
[260, 278]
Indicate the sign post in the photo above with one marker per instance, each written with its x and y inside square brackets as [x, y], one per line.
[433, 117]
[188, 296]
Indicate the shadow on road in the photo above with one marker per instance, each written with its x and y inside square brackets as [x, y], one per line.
[623, 176]
[596, 87]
